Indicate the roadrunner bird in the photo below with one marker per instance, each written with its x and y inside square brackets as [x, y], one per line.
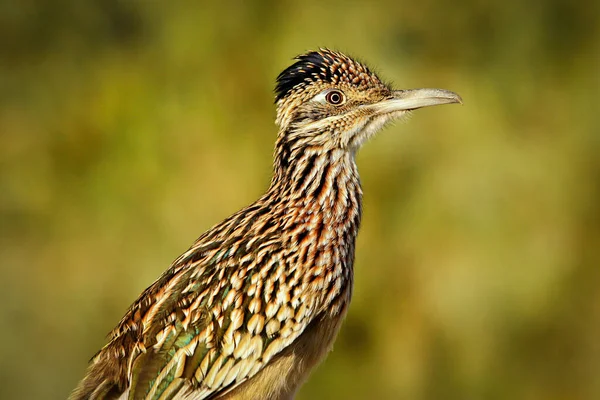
[258, 300]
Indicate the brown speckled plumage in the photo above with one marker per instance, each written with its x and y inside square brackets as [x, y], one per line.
[257, 301]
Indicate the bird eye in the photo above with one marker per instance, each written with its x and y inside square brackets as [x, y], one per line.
[335, 97]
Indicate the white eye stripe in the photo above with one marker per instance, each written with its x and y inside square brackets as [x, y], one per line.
[320, 98]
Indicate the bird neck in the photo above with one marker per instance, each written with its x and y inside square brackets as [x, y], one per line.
[317, 195]
[320, 181]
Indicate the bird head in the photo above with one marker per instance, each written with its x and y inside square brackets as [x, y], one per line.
[331, 101]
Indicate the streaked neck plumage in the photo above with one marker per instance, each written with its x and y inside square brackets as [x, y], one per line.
[319, 195]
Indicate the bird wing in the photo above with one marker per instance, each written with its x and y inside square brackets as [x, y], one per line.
[214, 319]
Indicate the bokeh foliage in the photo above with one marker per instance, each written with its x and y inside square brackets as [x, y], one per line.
[129, 128]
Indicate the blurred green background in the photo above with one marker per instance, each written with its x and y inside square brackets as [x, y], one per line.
[127, 128]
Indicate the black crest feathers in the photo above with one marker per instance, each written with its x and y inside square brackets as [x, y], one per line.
[325, 66]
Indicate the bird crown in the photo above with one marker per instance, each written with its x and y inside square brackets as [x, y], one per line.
[326, 66]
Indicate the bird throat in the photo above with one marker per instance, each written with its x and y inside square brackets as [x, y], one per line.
[320, 195]
[318, 182]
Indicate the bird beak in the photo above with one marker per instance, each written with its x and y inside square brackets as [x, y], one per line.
[407, 100]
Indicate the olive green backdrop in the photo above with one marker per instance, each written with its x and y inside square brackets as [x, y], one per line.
[127, 128]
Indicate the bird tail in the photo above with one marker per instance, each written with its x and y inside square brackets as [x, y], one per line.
[101, 381]
[96, 386]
